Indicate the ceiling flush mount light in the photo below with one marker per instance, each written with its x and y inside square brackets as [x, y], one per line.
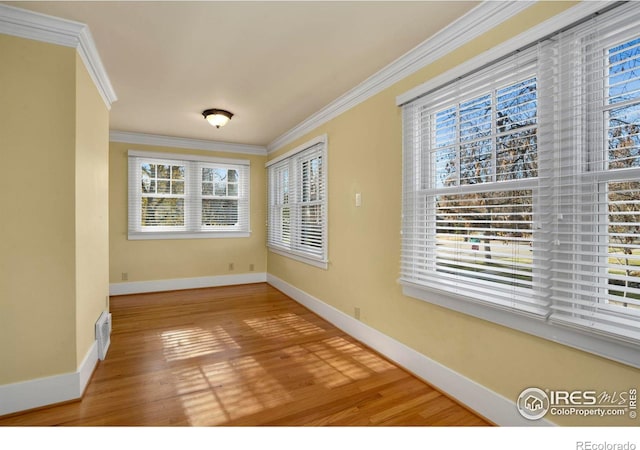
[217, 117]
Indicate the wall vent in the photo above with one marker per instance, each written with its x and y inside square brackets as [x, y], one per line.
[103, 334]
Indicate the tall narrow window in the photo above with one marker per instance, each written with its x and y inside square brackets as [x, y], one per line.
[184, 196]
[298, 203]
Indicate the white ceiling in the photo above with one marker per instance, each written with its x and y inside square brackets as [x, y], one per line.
[273, 64]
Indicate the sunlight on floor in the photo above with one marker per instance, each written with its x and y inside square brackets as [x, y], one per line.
[335, 361]
[227, 390]
[215, 392]
[186, 343]
[282, 325]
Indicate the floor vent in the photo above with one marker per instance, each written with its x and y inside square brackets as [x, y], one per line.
[103, 334]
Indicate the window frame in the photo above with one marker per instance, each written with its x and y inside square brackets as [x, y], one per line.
[292, 163]
[193, 197]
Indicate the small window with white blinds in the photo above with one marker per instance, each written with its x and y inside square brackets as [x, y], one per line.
[521, 187]
[297, 197]
[174, 196]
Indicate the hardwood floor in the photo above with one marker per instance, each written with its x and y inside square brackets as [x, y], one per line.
[242, 355]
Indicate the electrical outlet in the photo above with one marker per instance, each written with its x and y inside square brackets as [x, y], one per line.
[230, 266]
[125, 276]
[356, 312]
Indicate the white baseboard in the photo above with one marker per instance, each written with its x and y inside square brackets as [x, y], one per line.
[493, 406]
[139, 287]
[31, 394]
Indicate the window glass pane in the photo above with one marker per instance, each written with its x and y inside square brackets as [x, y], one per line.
[162, 211]
[311, 179]
[232, 176]
[286, 224]
[219, 212]
[164, 187]
[624, 137]
[475, 162]
[624, 121]
[517, 106]
[177, 187]
[624, 72]
[475, 118]
[148, 178]
[177, 172]
[207, 188]
[444, 170]
[624, 243]
[164, 171]
[445, 127]
[285, 185]
[221, 189]
[486, 236]
[517, 140]
[207, 174]
[220, 175]
[311, 226]
[232, 189]
[517, 155]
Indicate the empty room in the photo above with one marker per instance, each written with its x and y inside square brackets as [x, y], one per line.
[313, 214]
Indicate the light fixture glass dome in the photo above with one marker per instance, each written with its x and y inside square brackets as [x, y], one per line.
[217, 117]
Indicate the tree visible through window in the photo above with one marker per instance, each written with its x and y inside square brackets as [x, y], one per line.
[623, 138]
[492, 138]
[180, 196]
[521, 188]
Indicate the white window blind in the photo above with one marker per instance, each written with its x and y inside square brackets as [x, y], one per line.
[471, 168]
[183, 196]
[297, 215]
[594, 73]
[521, 183]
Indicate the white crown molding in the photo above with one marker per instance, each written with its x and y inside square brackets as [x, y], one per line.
[479, 20]
[193, 144]
[53, 30]
[534, 34]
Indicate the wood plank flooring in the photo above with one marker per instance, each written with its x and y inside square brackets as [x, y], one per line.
[242, 356]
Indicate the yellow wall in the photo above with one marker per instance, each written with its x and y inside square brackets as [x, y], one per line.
[37, 225]
[92, 208]
[149, 260]
[54, 131]
[365, 155]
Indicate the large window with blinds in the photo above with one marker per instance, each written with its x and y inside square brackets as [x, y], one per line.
[521, 191]
[183, 196]
[297, 214]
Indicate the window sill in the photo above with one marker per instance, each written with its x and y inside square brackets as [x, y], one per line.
[298, 257]
[140, 236]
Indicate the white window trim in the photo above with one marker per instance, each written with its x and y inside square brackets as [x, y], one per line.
[586, 340]
[182, 232]
[323, 261]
